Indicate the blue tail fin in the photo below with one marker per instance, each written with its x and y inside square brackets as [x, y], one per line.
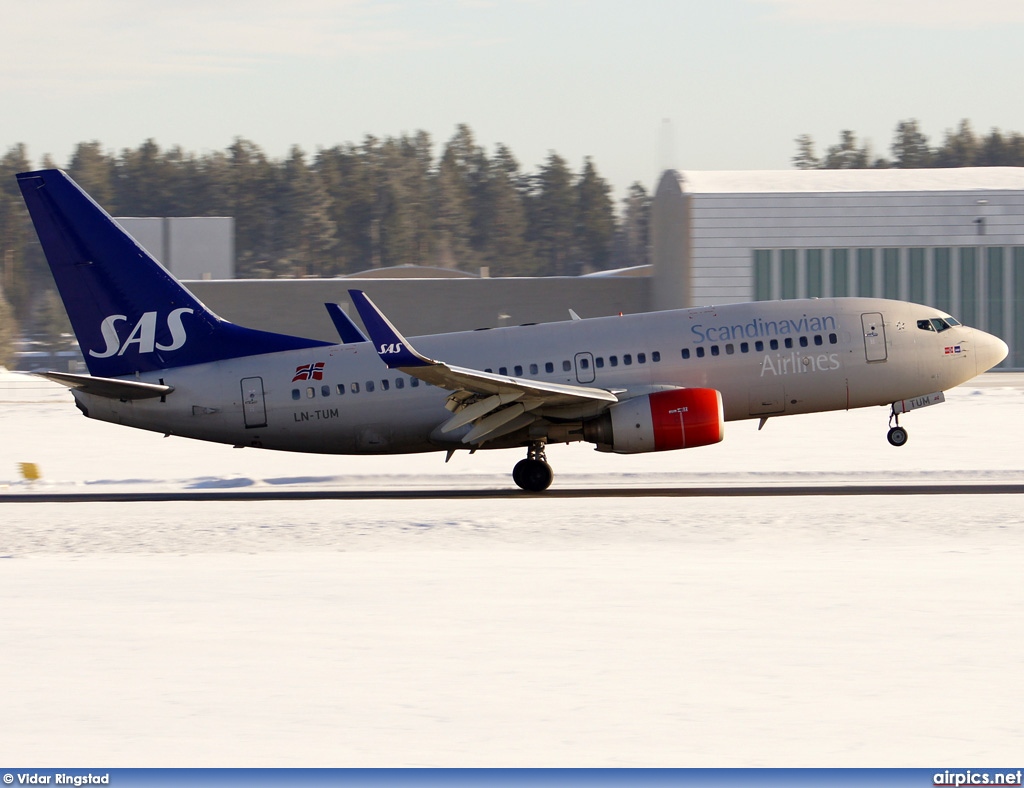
[128, 312]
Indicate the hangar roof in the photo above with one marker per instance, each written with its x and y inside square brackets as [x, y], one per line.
[789, 181]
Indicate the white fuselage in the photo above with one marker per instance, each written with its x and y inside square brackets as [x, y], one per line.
[766, 358]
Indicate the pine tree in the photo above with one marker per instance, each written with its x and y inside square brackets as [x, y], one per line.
[458, 181]
[595, 220]
[959, 149]
[805, 158]
[846, 155]
[94, 171]
[552, 216]
[910, 149]
[632, 247]
[24, 269]
[504, 248]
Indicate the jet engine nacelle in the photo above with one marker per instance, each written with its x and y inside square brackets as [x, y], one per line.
[675, 419]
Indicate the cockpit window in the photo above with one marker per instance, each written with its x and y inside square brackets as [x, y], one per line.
[938, 324]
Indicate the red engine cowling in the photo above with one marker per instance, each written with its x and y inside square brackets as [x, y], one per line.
[675, 419]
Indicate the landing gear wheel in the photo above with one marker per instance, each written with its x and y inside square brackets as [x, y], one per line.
[533, 475]
[897, 436]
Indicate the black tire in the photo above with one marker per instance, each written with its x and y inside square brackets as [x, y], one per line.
[532, 475]
[897, 436]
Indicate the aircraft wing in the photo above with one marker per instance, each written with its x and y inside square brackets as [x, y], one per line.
[108, 387]
[495, 404]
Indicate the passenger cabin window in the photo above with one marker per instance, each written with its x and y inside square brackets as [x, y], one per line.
[566, 366]
[549, 367]
[656, 356]
[533, 369]
[325, 391]
[296, 394]
[686, 352]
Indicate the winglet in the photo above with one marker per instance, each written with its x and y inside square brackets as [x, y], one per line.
[393, 348]
[347, 330]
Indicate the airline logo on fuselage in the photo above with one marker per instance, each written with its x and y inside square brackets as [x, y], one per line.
[759, 328]
[143, 335]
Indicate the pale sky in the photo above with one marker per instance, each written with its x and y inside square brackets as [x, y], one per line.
[636, 84]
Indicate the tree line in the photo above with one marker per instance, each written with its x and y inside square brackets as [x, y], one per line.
[390, 201]
[911, 149]
[349, 208]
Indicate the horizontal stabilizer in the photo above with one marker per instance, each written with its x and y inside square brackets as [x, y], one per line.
[108, 387]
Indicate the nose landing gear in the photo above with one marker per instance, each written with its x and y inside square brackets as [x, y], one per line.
[533, 474]
[897, 435]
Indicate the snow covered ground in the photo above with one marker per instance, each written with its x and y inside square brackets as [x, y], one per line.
[818, 631]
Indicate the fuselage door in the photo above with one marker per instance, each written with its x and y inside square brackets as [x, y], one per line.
[585, 367]
[253, 406]
[874, 336]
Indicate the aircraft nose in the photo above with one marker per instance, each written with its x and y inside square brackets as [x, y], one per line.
[989, 350]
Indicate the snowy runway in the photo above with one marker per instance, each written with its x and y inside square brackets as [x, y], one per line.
[811, 631]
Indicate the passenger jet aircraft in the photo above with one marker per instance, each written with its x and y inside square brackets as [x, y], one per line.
[160, 360]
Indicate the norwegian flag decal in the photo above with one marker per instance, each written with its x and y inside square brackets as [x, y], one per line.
[314, 371]
[952, 351]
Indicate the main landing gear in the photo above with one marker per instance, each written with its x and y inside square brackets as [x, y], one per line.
[897, 435]
[533, 474]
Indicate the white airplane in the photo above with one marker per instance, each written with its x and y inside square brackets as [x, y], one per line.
[160, 360]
